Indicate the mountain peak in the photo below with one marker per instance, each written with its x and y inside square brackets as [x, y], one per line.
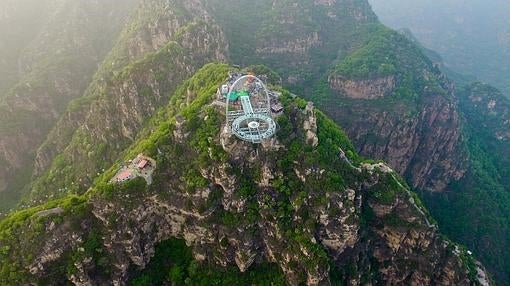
[310, 208]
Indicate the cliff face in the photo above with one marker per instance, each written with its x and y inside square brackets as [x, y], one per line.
[446, 140]
[425, 146]
[485, 113]
[315, 210]
[363, 89]
[401, 109]
[54, 62]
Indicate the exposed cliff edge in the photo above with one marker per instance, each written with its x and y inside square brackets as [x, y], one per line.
[316, 210]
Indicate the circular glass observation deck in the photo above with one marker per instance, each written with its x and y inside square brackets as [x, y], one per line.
[249, 110]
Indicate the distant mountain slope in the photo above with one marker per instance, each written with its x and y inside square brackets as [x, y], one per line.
[473, 36]
[160, 48]
[487, 113]
[56, 58]
[298, 39]
[331, 218]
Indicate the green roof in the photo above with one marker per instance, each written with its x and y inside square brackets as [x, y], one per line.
[233, 96]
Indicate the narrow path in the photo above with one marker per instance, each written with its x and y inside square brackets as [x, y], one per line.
[411, 200]
[392, 173]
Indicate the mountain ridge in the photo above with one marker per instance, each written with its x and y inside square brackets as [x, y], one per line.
[363, 210]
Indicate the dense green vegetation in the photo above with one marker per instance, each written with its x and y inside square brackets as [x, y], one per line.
[21, 234]
[173, 263]
[388, 53]
[487, 114]
[476, 210]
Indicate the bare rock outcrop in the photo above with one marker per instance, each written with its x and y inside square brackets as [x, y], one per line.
[363, 88]
[423, 143]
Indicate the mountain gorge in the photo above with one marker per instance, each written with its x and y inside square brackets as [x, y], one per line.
[286, 211]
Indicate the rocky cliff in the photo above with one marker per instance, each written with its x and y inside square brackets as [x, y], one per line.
[483, 193]
[443, 139]
[425, 146]
[363, 89]
[398, 107]
[318, 212]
